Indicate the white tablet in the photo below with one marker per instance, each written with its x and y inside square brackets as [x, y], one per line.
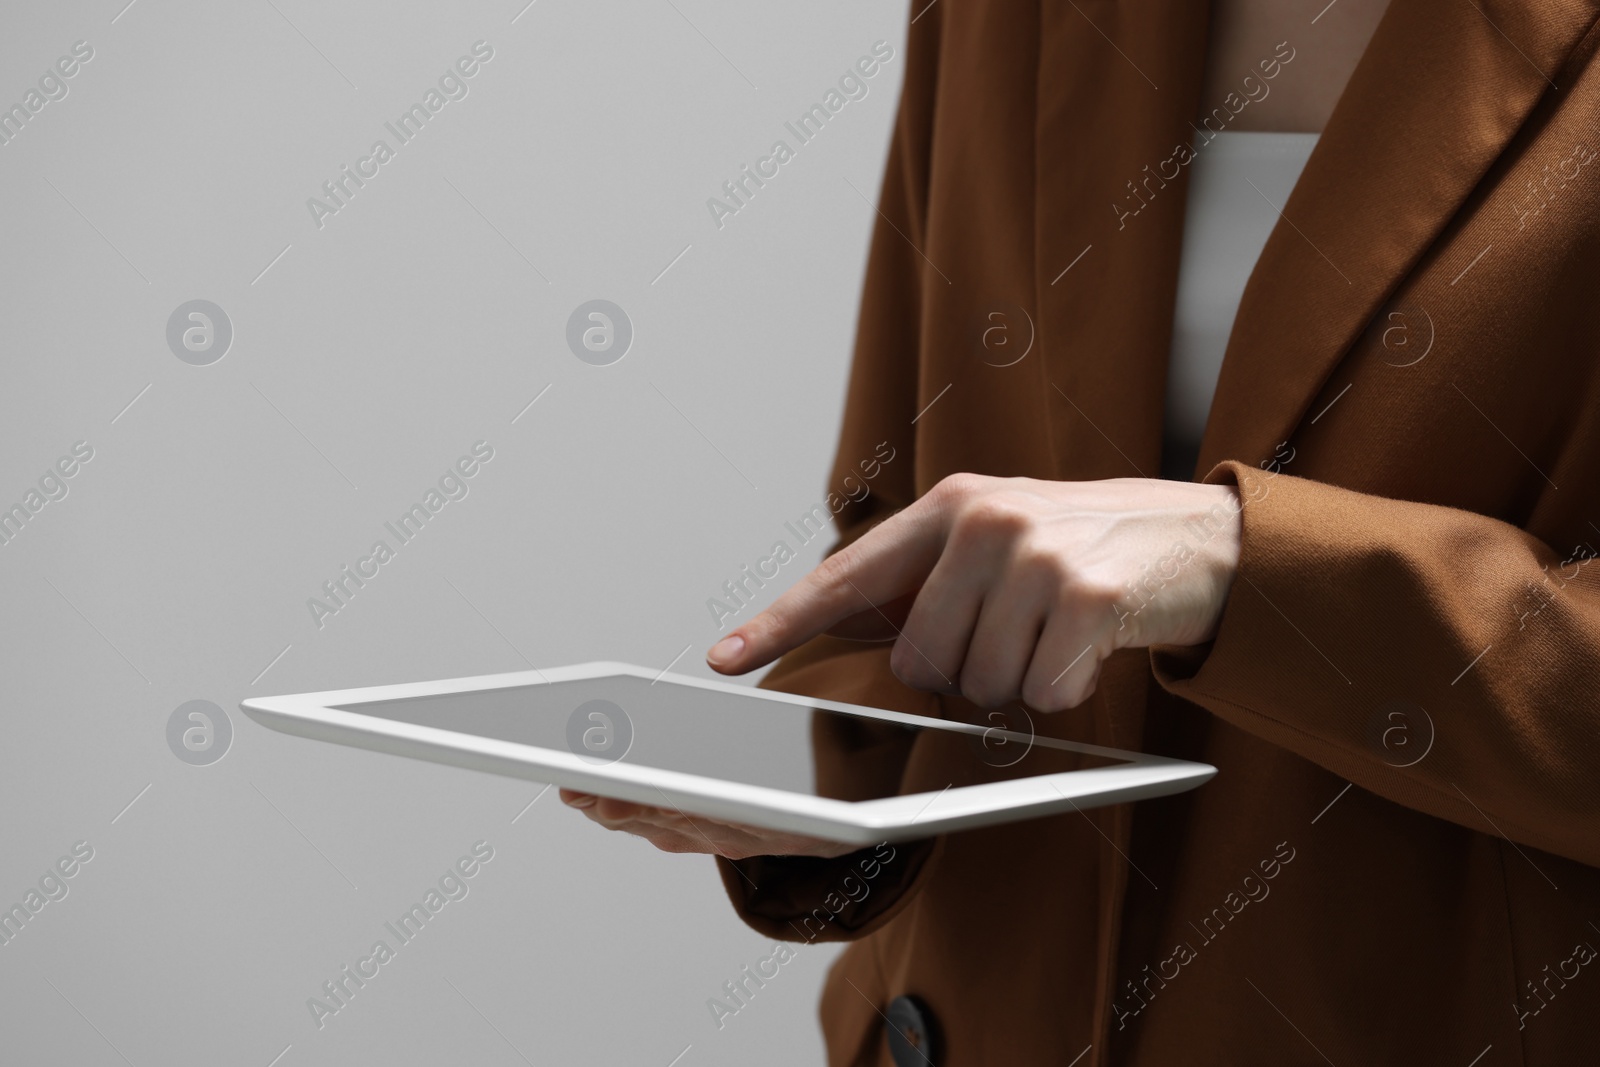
[726, 751]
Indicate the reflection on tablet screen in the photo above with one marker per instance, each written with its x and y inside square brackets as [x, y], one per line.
[719, 734]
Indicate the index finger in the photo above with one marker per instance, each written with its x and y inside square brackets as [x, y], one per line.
[890, 560]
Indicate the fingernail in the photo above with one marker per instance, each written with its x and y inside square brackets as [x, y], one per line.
[584, 801]
[725, 651]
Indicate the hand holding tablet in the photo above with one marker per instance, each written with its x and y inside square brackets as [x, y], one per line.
[671, 830]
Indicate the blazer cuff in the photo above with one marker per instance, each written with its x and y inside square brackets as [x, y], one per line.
[806, 898]
[1407, 596]
[1230, 662]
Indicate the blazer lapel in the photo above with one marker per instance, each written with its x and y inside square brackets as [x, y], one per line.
[1441, 89]
[1117, 85]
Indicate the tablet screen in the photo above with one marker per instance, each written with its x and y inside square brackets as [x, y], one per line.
[718, 734]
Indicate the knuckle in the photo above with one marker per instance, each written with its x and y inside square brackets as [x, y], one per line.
[1038, 693]
[1082, 690]
[1037, 562]
[958, 486]
[993, 517]
[1064, 682]
[1084, 591]
[835, 566]
[912, 668]
[829, 583]
[611, 811]
[674, 843]
[979, 682]
[1038, 697]
[984, 690]
[898, 664]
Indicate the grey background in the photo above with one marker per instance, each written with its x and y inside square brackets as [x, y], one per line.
[367, 356]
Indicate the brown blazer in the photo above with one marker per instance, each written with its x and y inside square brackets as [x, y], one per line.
[1397, 862]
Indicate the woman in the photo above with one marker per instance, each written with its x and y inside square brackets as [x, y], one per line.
[1372, 609]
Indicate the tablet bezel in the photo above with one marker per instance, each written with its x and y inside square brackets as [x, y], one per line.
[899, 818]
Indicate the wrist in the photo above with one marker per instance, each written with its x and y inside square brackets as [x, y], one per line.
[1221, 551]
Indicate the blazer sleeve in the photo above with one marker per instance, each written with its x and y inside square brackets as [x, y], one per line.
[802, 898]
[1439, 658]
[777, 895]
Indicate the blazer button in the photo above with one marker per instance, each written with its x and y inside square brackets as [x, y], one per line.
[912, 1033]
